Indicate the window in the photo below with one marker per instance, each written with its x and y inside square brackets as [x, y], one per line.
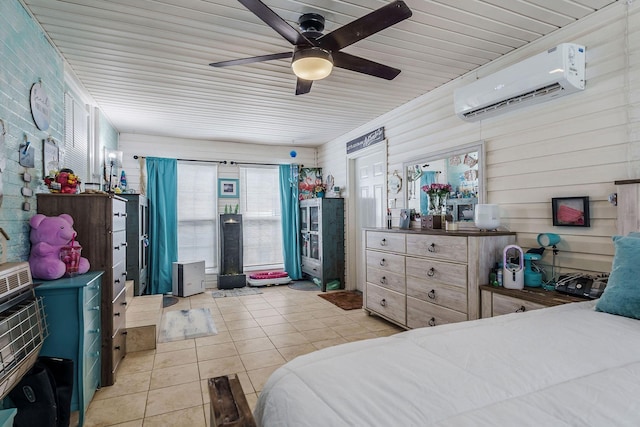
[197, 213]
[260, 209]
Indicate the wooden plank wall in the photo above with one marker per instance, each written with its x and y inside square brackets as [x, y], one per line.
[574, 146]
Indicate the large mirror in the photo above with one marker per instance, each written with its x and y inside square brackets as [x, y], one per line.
[462, 168]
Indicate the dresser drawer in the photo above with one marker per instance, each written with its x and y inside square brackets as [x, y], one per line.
[421, 313]
[386, 262]
[119, 309]
[386, 279]
[447, 296]
[119, 241]
[387, 303]
[451, 248]
[119, 348]
[393, 242]
[119, 277]
[431, 271]
[503, 304]
[119, 215]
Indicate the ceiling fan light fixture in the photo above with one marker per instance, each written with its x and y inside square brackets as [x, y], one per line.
[312, 63]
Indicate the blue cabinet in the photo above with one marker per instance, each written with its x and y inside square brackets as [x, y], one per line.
[72, 309]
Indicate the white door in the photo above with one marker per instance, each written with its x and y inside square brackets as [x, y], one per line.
[370, 205]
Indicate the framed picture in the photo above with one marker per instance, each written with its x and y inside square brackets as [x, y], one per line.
[50, 156]
[228, 188]
[570, 211]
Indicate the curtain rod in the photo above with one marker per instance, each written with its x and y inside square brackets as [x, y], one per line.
[224, 162]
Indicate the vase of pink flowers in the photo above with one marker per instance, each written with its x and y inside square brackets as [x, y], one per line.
[437, 195]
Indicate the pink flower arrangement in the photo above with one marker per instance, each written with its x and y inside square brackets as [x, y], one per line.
[439, 189]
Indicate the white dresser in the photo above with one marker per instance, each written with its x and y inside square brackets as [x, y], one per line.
[419, 278]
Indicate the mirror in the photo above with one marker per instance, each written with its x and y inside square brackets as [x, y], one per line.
[462, 168]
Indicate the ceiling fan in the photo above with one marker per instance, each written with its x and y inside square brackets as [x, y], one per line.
[315, 54]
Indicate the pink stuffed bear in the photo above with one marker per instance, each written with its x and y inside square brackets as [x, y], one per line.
[48, 235]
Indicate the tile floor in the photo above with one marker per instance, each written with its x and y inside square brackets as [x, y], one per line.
[256, 334]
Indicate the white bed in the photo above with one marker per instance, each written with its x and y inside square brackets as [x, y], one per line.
[561, 366]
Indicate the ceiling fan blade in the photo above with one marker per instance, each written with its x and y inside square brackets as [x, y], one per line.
[252, 59]
[303, 86]
[274, 20]
[361, 65]
[363, 27]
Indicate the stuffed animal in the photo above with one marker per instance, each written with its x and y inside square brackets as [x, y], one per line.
[48, 235]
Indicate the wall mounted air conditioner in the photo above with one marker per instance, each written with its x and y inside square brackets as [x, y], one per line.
[557, 72]
[188, 278]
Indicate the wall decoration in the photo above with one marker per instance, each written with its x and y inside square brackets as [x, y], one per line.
[50, 156]
[570, 211]
[394, 183]
[40, 106]
[26, 155]
[228, 188]
[365, 141]
[308, 180]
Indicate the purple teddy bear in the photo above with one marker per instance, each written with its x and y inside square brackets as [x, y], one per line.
[48, 235]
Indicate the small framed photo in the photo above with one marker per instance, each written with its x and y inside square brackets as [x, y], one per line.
[570, 211]
[50, 156]
[228, 188]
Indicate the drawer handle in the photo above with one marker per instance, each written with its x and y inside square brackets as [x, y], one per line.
[431, 247]
[94, 331]
[383, 242]
[432, 294]
[116, 247]
[124, 332]
[116, 281]
[116, 347]
[124, 303]
[383, 262]
[117, 313]
[383, 302]
[432, 321]
[383, 280]
[431, 272]
[93, 287]
[522, 309]
[123, 244]
[95, 354]
[95, 308]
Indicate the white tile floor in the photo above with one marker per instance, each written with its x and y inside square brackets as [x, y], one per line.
[256, 334]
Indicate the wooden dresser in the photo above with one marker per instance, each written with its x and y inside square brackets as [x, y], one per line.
[419, 278]
[72, 307]
[496, 301]
[100, 221]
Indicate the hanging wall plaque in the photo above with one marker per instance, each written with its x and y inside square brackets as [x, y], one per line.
[40, 106]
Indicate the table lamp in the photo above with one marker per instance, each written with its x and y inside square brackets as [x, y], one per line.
[550, 240]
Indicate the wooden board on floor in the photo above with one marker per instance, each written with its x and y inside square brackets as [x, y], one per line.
[229, 406]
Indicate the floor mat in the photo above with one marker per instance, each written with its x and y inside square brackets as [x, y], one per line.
[346, 300]
[237, 292]
[304, 285]
[179, 325]
[168, 301]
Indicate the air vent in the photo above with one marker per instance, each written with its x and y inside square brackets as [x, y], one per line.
[15, 277]
[511, 102]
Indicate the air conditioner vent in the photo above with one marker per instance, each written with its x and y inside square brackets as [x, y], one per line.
[521, 99]
[14, 278]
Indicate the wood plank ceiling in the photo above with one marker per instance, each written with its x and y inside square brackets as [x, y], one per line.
[145, 62]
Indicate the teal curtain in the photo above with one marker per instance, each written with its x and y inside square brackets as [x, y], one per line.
[162, 191]
[427, 178]
[290, 207]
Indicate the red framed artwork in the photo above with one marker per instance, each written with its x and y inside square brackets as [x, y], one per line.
[570, 211]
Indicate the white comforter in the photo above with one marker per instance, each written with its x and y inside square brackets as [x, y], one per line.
[561, 366]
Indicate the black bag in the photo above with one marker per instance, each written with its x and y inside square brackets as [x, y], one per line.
[61, 376]
[35, 400]
[43, 396]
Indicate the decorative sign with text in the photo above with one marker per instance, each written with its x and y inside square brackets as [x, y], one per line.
[365, 140]
[40, 106]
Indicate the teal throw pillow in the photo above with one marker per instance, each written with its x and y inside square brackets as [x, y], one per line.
[622, 294]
